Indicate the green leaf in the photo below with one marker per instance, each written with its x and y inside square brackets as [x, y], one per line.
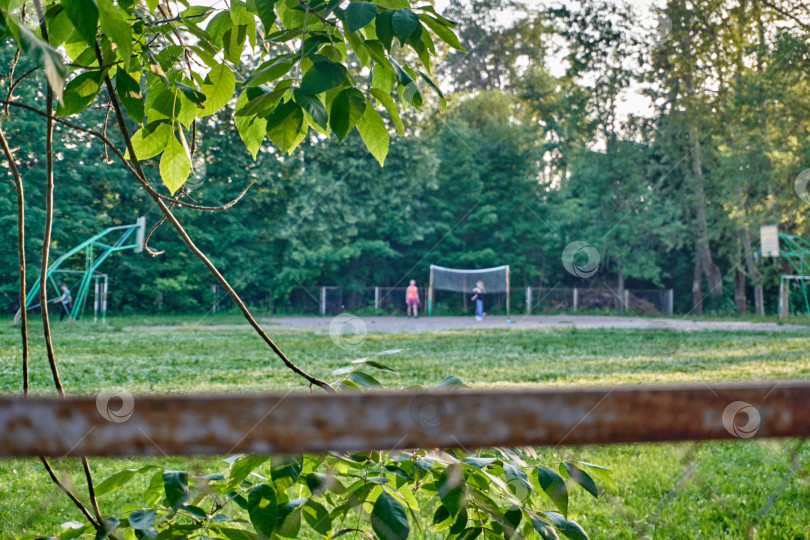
[382, 78]
[364, 380]
[323, 76]
[288, 522]
[470, 534]
[251, 129]
[230, 533]
[107, 527]
[142, 520]
[234, 42]
[554, 486]
[358, 15]
[545, 529]
[118, 479]
[317, 517]
[314, 108]
[44, 56]
[84, 16]
[444, 33]
[218, 89]
[285, 471]
[73, 529]
[116, 27]
[582, 478]
[374, 134]
[385, 29]
[479, 462]
[271, 70]
[286, 126]
[517, 481]
[264, 8]
[347, 109]
[262, 508]
[388, 518]
[451, 489]
[129, 92]
[175, 166]
[193, 95]
[568, 527]
[241, 468]
[150, 140]
[79, 93]
[451, 381]
[404, 23]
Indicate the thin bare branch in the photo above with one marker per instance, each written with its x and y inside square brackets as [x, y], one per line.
[69, 493]
[21, 253]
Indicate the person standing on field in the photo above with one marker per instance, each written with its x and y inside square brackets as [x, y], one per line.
[412, 299]
[66, 300]
[478, 298]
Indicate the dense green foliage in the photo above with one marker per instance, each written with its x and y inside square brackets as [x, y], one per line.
[536, 154]
[723, 489]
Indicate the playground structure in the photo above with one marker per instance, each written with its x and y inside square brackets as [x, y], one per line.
[96, 251]
[797, 251]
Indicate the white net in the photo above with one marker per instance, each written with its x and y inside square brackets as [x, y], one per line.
[453, 279]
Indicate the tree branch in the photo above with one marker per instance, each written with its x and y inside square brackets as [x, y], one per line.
[141, 177]
[69, 493]
[21, 253]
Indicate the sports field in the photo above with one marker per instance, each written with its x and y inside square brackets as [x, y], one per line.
[734, 489]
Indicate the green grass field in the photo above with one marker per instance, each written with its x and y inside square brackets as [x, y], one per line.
[734, 489]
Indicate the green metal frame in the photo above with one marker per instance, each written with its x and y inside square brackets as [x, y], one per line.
[797, 251]
[96, 252]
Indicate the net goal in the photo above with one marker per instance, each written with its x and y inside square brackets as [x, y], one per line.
[495, 280]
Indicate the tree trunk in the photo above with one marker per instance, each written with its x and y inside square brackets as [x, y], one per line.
[740, 299]
[753, 274]
[620, 286]
[697, 289]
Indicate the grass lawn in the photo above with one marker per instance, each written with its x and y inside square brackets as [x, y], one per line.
[735, 489]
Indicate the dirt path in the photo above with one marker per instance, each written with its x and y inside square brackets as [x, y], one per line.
[428, 324]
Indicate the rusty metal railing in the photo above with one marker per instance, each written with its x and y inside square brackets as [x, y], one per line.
[300, 422]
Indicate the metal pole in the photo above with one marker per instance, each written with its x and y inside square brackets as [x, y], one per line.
[626, 300]
[576, 299]
[104, 300]
[214, 305]
[781, 304]
[507, 291]
[95, 300]
[671, 298]
[430, 293]
[323, 301]
[528, 300]
[376, 299]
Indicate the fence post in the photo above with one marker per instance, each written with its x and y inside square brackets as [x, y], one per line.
[104, 291]
[528, 300]
[781, 298]
[576, 299]
[671, 302]
[376, 299]
[322, 307]
[626, 301]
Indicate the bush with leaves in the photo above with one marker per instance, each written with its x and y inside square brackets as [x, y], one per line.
[498, 493]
